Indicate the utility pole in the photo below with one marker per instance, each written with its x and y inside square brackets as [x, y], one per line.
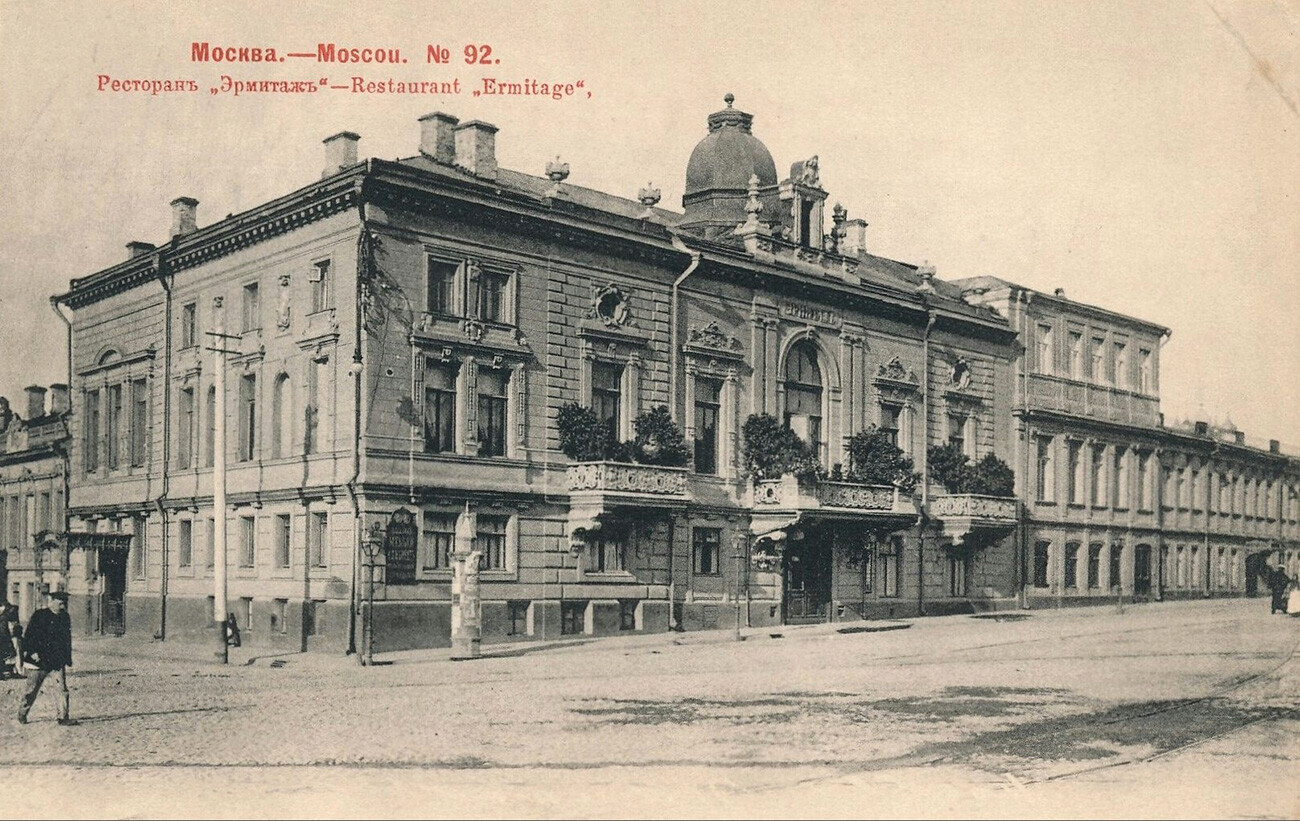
[738, 551]
[219, 593]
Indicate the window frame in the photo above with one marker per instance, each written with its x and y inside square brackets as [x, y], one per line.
[702, 548]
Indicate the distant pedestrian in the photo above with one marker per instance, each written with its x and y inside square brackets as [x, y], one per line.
[47, 651]
[1293, 596]
[1278, 582]
[11, 641]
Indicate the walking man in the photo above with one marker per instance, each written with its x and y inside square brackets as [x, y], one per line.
[11, 641]
[47, 649]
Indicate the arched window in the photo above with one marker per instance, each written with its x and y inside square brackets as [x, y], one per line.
[803, 394]
[281, 418]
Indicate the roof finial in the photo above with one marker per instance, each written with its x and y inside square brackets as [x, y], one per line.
[729, 98]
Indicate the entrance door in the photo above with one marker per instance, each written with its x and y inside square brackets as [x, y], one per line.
[112, 568]
[1256, 563]
[1142, 570]
[807, 582]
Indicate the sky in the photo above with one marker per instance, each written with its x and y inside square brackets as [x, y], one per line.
[1143, 156]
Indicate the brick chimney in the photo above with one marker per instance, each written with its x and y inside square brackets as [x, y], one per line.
[1274, 446]
[476, 148]
[60, 399]
[855, 237]
[340, 152]
[35, 401]
[438, 137]
[1202, 428]
[185, 216]
[137, 248]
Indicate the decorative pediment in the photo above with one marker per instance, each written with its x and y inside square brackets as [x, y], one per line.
[713, 344]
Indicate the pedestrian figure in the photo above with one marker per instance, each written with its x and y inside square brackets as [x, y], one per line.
[1278, 582]
[1293, 596]
[48, 651]
[11, 641]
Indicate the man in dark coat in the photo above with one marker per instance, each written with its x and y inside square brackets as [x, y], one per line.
[1277, 585]
[47, 650]
[11, 641]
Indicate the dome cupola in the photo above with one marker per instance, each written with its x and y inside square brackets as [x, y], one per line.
[717, 175]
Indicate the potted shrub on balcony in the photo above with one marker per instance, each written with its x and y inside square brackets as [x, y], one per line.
[771, 450]
[874, 459]
[990, 476]
[585, 438]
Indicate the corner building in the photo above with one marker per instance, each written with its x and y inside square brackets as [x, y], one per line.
[398, 338]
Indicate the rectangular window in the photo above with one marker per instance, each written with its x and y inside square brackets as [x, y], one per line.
[708, 394]
[1045, 351]
[958, 574]
[1071, 566]
[313, 617]
[492, 302]
[1180, 567]
[247, 417]
[319, 277]
[492, 424]
[573, 618]
[1119, 361]
[1040, 564]
[491, 542]
[1144, 481]
[706, 548]
[606, 392]
[139, 550]
[1195, 489]
[247, 541]
[185, 546]
[442, 287]
[889, 564]
[439, 407]
[113, 427]
[1076, 473]
[210, 428]
[1098, 359]
[1076, 355]
[1119, 478]
[517, 616]
[139, 421]
[889, 416]
[1094, 566]
[278, 623]
[43, 521]
[185, 428]
[252, 308]
[957, 431]
[91, 432]
[189, 325]
[439, 539]
[211, 544]
[318, 538]
[1098, 475]
[245, 612]
[1116, 566]
[282, 534]
[1146, 376]
[608, 549]
[317, 382]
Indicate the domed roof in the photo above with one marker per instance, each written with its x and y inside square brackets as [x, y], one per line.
[729, 155]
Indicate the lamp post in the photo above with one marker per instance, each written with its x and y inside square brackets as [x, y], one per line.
[738, 544]
[372, 546]
[219, 592]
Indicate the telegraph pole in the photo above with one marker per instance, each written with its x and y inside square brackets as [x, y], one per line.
[219, 593]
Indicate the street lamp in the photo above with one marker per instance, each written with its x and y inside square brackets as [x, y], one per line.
[372, 547]
[738, 545]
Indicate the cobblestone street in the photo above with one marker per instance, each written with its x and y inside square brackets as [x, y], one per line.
[1166, 710]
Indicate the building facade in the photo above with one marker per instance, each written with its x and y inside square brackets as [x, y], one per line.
[1117, 503]
[33, 461]
[397, 341]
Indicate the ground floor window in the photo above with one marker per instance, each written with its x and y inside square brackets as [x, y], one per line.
[889, 560]
[1094, 566]
[573, 618]
[492, 542]
[607, 551]
[1116, 565]
[1040, 564]
[705, 547]
[517, 613]
[1071, 565]
[958, 574]
[439, 536]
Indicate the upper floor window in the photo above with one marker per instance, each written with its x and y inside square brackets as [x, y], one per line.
[113, 427]
[1119, 487]
[1146, 378]
[185, 428]
[442, 279]
[318, 538]
[319, 277]
[957, 431]
[803, 394]
[1045, 349]
[889, 421]
[139, 422]
[248, 417]
[1076, 473]
[1046, 475]
[440, 407]
[707, 403]
[189, 325]
[209, 427]
[492, 425]
[247, 541]
[607, 392]
[282, 413]
[1144, 480]
[252, 308]
[91, 432]
[1098, 475]
[492, 296]
[1098, 354]
[1076, 355]
[1119, 361]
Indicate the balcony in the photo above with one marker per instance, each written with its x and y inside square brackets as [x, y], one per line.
[599, 488]
[962, 515]
[777, 503]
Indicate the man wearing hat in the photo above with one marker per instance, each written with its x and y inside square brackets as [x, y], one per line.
[47, 649]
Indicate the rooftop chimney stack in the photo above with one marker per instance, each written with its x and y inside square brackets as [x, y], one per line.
[476, 148]
[185, 216]
[1202, 428]
[1274, 446]
[137, 248]
[438, 137]
[35, 402]
[340, 152]
[855, 237]
[60, 399]
[1060, 292]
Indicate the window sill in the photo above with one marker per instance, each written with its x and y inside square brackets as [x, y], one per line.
[608, 575]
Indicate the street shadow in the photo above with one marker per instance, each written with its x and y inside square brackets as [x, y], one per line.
[534, 648]
[121, 716]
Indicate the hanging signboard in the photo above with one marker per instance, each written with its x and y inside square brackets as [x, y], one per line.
[400, 548]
